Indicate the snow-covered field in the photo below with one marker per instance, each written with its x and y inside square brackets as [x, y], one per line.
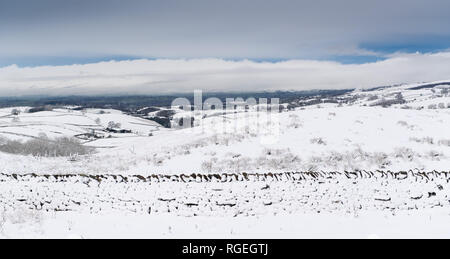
[422, 224]
[387, 164]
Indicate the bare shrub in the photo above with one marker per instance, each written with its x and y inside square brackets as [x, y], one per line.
[295, 125]
[15, 112]
[406, 125]
[444, 142]
[59, 147]
[434, 155]
[278, 159]
[241, 164]
[404, 153]
[372, 98]
[427, 140]
[386, 103]
[295, 121]
[208, 165]
[273, 159]
[318, 141]
[402, 123]
[158, 159]
[380, 160]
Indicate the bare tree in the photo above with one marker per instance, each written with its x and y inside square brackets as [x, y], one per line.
[114, 125]
[15, 112]
[43, 146]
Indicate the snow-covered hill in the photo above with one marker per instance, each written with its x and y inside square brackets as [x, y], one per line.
[395, 128]
[146, 166]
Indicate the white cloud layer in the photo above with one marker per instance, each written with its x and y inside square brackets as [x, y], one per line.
[172, 76]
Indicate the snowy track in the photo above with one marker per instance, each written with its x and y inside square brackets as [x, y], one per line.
[229, 194]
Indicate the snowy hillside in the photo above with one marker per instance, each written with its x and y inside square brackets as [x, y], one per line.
[375, 151]
[359, 134]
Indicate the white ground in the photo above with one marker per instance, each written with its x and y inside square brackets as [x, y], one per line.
[423, 224]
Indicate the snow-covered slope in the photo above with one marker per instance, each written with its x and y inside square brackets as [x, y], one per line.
[355, 135]
[66, 122]
[371, 150]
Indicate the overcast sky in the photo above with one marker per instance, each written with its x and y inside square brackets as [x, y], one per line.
[54, 32]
